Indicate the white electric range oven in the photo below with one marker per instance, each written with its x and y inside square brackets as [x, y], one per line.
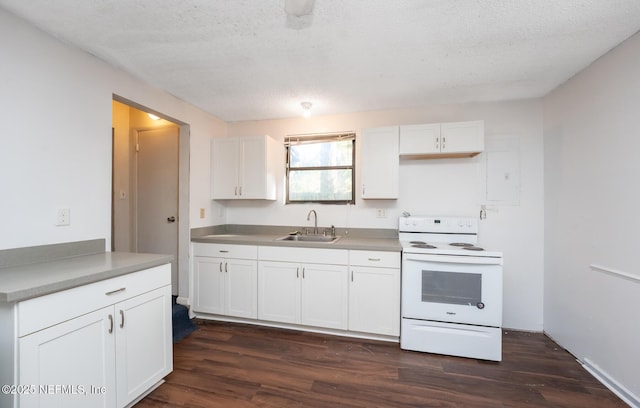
[451, 289]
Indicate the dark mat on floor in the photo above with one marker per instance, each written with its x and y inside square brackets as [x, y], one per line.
[182, 325]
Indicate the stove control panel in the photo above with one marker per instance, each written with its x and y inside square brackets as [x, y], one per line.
[440, 225]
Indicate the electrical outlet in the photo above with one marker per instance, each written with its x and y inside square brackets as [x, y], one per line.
[63, 217]
[202, 213]
[381, 213]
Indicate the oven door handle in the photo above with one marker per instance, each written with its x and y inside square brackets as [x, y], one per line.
[476, 260]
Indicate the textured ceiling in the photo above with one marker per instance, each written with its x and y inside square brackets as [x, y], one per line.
[248, 60]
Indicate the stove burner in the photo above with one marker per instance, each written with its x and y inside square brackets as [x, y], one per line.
[473, 248]
[417, 242]
[461, 244]
[425, 246]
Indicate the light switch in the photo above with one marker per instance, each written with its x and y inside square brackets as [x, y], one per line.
[202, 213]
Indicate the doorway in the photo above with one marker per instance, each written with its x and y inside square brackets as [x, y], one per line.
[150, 186]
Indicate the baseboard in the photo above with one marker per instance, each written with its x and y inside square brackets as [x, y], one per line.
[183, 301]
[618, 389]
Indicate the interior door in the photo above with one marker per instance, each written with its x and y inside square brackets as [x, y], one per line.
[157, 194]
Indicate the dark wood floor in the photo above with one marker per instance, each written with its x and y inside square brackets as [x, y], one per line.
[230, 365]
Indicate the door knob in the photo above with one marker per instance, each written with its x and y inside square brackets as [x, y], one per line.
[171, 219]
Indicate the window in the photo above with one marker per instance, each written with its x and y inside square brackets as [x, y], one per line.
[320, 168]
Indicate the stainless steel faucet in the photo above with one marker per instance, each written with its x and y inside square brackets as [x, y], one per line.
[315, 220]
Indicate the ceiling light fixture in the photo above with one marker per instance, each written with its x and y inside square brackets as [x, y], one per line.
[298, 8]
[306, 109]
[152, 116]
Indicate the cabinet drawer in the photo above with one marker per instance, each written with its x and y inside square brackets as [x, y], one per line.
[304, 255]
[226, 251]
[375, 259]
[45, 311]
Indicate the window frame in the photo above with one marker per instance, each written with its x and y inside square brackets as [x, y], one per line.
[321, 138]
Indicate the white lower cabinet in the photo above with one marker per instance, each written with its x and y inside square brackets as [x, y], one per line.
[143, 348]
[324, 298]
[307, 293]
[279, 291]
[340, 289]
[374, 292]
[225, 279]
[107, 357]
[76, 353]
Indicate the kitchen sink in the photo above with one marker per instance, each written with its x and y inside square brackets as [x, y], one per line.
[309, 238]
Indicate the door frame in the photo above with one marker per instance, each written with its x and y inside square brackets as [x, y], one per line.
[184, 235]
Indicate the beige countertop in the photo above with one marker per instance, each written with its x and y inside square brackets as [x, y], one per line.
[25, 281]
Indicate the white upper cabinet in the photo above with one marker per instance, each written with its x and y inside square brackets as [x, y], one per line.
[420, 139]
[244, 168]
[442, 140]
[379, 163]
[462, 137]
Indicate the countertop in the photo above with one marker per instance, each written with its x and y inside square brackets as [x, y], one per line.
[357, 239]
[21, 282]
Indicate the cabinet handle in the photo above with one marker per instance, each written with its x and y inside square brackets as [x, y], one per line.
[110, 324]
[113, 292]
[122, 317]
[444, 140]
[235, 191]
[302, 273]
[224, 251]
[363, 189]
[220, 267]
[351, 276]
[374, 259]
[226, 265]
[297, 272]
[437, 143]
[240, 190]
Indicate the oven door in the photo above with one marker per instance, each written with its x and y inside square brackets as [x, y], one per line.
[456, 289]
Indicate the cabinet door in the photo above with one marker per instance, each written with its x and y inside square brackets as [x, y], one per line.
[279, 291]
[379, 163]
[224, 168]
[208, 285]
[252, 167]
[459, 137]
[241, 295]
[420, 139]
[143, 343]
[374, 300]
[324, 296]
[77, 354]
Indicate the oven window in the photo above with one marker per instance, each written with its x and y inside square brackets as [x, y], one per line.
[454, 288]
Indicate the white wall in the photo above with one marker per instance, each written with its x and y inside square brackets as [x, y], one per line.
[591, 145]
[437, 187]
[56, 139]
